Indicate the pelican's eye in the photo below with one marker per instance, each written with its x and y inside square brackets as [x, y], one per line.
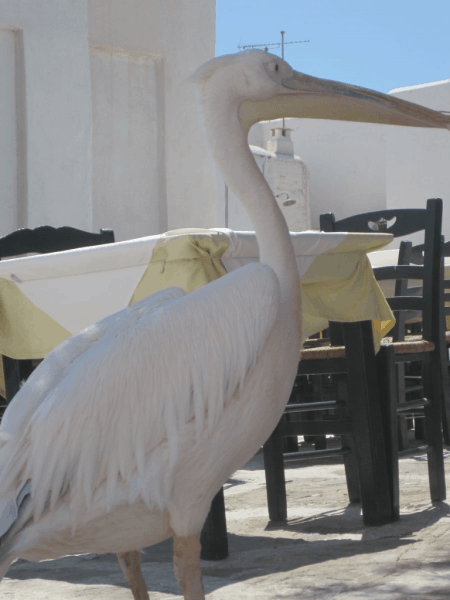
[276, 66]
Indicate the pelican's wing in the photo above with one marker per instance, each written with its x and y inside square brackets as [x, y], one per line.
[58, 362]
[118, 412]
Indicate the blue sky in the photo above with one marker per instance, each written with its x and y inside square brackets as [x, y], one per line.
[382, 44]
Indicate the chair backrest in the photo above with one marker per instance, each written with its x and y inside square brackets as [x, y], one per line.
[45, 239]
[403, 222]
[399, 222]
[402, 289]
[446, 282]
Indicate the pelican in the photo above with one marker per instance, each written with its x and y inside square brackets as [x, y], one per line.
[125, 432]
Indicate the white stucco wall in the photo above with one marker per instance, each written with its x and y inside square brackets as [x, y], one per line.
[126, 104]
[150, 161]
[417, 159]
[45, 116]
[345, 160]
[8, 127]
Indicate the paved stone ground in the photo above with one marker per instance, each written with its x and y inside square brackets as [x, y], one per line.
[323, 551]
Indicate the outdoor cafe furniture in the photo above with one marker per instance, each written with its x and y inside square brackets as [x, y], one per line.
[47, 298]
[427, 348]
[385, 258]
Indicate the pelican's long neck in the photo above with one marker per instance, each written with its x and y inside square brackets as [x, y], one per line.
[232, 154]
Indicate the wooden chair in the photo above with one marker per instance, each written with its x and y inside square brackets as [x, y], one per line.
[446, 371]
[358, 422]
[41, 240]
[426, 348]
[417, 258]
[409, 383]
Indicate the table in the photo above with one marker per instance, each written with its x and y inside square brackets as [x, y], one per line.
[46, 298]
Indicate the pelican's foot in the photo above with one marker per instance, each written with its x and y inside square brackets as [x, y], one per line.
[130, 563]
[186, 555]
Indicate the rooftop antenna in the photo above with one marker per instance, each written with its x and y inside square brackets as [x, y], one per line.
[277, 45]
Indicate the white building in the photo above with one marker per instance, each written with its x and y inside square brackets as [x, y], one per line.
[417, 159]
[96, 124]
[151, 169]
[99, 130]
[45, 115]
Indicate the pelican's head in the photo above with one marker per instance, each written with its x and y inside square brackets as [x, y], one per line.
[258, 75]
[249, 75]
[265, 87]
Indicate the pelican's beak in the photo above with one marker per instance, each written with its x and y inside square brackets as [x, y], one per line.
[314, 98]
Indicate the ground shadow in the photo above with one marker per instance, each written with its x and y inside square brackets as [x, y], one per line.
[250, 556]
[253, 556]
[349, 520]
[372, 591]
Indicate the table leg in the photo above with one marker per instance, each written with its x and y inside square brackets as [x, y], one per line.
[364, 399]
[213, 538]
[12, 377]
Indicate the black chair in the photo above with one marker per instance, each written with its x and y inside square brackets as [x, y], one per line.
[418, 258]
[322, 385]
[409, 381]
[41, 240]
[427, 348]
[358, 422]
[446, 371]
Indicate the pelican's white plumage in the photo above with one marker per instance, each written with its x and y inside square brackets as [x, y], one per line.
[126, 431]
[83, 431]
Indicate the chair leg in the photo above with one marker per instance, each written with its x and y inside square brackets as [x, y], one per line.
[433, 428]
[445, 392]
[387, 385]
[446, 405]
[290, 444]
[213, 537]
[351, 470]
[419, 430]
[320, 441]
[403, 441]
[350, 459]
[364, 402]
[275, 480]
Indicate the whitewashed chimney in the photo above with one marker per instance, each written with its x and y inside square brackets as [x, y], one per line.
[280, 142]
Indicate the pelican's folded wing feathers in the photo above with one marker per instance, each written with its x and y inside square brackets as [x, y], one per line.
[126, 398]
[58, 362]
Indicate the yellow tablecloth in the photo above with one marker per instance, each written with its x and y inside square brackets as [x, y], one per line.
[46, 298]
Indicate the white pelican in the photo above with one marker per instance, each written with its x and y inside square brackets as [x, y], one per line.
[126, 431]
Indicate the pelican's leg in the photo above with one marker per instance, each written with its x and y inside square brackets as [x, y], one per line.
[130, 563]
[186, 554]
